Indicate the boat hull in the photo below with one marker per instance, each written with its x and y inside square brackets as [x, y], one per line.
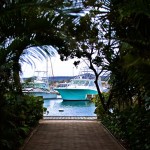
[45, 95]
[76, 94]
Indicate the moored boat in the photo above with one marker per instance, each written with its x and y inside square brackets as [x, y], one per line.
[39, 88]
[81, 87]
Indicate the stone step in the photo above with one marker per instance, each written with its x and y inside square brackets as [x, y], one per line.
[70, 117]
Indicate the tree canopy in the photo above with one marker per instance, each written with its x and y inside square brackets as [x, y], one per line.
[26, 24]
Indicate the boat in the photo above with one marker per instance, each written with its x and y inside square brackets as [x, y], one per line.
[39, 87]
[82, 87]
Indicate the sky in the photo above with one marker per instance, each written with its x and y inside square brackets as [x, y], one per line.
[56, 67]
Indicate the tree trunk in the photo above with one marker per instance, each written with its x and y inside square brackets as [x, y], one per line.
[102, 99]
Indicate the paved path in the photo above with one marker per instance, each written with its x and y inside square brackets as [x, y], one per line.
[71, 135]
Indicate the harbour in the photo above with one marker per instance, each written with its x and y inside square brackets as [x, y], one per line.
[60, 108]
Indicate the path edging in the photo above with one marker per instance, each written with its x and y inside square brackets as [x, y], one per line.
[112, 135]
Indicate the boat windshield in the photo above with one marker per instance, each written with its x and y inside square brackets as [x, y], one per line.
[80, 82]
[63, 85]
[28, 85]
[92, 83]
[36, 85]
[41, 85]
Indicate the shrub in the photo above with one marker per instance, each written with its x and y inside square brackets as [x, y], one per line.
[131, 126]
[19, 115]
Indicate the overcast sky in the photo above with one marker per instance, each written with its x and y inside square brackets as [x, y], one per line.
[56, 67]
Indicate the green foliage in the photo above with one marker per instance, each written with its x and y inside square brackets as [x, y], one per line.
[99, 108]
[129, 19]
[18, 116]
[130, 126]
[26, 24]
[100, 111]
[28, 30]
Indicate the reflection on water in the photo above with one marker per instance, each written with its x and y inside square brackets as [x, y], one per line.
[69, 108]
[76, 103]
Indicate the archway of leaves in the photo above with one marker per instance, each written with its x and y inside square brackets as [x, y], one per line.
[27, 29]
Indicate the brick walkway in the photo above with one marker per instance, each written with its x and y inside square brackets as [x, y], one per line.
[71, 135]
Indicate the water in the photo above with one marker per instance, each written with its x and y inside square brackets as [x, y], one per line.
[58, 107]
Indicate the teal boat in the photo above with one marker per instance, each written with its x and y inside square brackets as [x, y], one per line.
[79, 88]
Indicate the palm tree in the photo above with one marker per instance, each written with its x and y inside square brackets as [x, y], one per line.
[30, 24]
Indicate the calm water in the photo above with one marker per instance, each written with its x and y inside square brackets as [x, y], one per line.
[58, 107]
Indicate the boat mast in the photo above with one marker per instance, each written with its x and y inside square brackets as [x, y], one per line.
[52, 82]
[51, 67]
[47, 70]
